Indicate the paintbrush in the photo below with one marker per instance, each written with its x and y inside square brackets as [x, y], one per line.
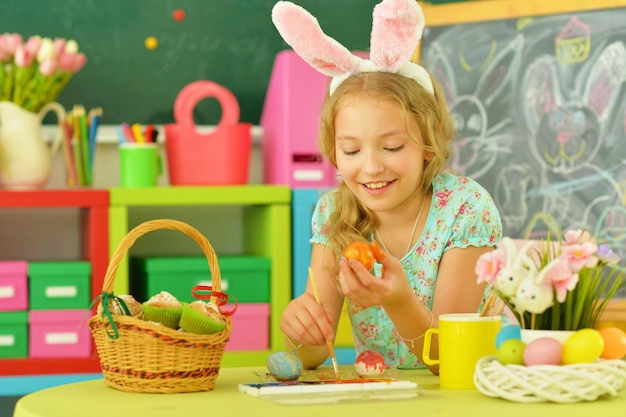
[329, 344]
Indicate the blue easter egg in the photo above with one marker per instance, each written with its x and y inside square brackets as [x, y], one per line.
[284, 366]
[512, 331]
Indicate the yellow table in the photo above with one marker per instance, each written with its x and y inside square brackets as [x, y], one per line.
[95, 399]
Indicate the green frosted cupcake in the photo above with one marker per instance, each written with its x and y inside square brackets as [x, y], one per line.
[163, 308]
[202, 318]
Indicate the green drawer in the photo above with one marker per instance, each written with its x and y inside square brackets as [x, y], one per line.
[59, 285]
[14, 334]
[245, 278]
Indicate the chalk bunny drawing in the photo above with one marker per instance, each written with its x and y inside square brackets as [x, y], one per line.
[567, 131]
[479, 140]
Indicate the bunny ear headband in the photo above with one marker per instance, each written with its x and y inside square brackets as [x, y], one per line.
[396, 31]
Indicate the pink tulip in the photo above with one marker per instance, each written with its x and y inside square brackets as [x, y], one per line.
[8, 44]
[12, 41]
[23, 57]
[79, 62]
[59, 45]
[32, 44]
[48, 67]
[72, 62]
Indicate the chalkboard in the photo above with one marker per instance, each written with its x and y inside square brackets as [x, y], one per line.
[539, 107]
[231, 42]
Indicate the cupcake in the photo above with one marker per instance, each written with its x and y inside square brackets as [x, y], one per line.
[163, 308]
[202, 318]
[115, 307]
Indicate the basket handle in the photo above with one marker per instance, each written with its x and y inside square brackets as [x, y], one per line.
[151, 225]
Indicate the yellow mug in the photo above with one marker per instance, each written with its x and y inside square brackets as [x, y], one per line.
[464, 338]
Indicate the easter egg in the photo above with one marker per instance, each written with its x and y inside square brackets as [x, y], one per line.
[543, 351]
[614, 343]
[284, 366]
[583, 346]
[511, 352]
[512, 331]
[370, 363]
[360, 251]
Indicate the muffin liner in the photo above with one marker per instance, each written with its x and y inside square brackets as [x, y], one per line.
[167, 316]
[195, 322]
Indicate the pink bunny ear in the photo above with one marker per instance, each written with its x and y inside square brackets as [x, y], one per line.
[303, 33]
[396, 31]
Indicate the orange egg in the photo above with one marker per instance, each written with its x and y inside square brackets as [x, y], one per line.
[360, 251]
[614, 343]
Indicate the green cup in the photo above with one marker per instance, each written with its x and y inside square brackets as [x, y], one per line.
[140, 165]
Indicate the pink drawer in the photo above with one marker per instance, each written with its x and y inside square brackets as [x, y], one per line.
[59, 333]
[13, 285]
[251, 328]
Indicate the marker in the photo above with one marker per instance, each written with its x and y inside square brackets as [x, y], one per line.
[136, 130]
[128, 134]
[94, 122]
[84, 145]
[148, 134]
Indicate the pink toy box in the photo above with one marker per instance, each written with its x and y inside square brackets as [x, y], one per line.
[250, 328]
[13, 285]
[59, 333]
[290, 122]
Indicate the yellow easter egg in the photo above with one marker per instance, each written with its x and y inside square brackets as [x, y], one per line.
[584, 346]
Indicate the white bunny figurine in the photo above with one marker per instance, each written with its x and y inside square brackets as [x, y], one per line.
[533, 297]
[535, 293]
[518, 266]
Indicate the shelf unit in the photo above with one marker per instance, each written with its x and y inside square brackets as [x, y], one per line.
[94, 224]
[266, 214]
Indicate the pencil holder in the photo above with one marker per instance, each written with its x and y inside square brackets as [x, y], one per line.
[140, 356]
[220, 157]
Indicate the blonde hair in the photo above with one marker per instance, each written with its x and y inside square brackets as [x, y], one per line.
[351, 221]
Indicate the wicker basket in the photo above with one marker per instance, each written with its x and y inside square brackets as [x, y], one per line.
[550, 383]
[148, 357]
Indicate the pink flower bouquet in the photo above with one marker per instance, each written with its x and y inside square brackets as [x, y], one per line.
[553, 285]
[34, 72]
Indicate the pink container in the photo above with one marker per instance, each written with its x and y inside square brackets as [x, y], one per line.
[290, 121]
[13, 285]
[58, 334]
[220, 157]
[251, 328]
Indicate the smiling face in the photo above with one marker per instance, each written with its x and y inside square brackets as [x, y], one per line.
[379, 160]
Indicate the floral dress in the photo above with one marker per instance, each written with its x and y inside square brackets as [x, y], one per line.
[462, 214]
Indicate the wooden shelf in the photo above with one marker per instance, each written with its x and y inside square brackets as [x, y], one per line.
[42, 366]
[105, 222]
[94, 223]
[266, 211]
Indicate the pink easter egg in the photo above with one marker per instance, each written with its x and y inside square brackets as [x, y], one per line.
[543, 351]
[370, 363]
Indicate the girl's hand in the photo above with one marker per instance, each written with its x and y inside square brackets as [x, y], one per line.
[366, 290]
[305, 321]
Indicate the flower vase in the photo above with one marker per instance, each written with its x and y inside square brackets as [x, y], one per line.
[559, 335]
[25, 158]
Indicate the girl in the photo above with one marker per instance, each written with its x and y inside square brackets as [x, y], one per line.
[388, 134]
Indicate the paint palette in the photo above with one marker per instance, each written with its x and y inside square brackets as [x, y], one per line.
[319, 388]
